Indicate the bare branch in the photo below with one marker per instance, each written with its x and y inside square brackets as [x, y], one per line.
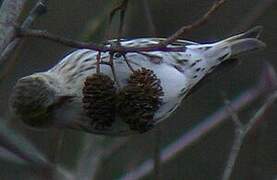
[269, 102]
[13, 42]
[233, 114]
[90, 159]
[39, 9]
[21, 147]
[93, 153]
[114, 147]
[148, 16]
[238, 141]
[122, 17]
[56, 146]
[240, 134]
[157, 153]
[122, 7]
[24, 150]
[87, 45]
[189, 28]
[253, 14]
[10, 11]
[158, 47]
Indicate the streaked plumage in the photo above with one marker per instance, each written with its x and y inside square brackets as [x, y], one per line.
[178, 71]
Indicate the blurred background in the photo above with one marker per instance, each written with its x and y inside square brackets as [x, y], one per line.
[205, 159]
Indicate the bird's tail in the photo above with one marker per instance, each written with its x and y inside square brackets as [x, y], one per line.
[236, 45]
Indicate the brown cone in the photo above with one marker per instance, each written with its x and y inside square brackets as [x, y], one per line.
[99, 100]
[140, 99]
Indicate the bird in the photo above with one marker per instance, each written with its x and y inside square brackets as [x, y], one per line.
[54, 97]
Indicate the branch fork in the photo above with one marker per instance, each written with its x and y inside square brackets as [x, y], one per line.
[162, 46]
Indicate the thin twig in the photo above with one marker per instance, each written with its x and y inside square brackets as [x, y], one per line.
[238, 141]
[270, 100]
[233, 114]
[10, 11]
[90, 159]
[157, 154]
[57, 142]
[26, 151]
[240, 134]
[122, 17]
[89, 45]
[38, 10]
[12, 60]
[121, 7]
[113, 69]
[128, 63]
[21, 147]
[98, 61]
[158, 47]
[247, 20]
[149, 18]
[114, 147]
[189, 28]
[93, 153]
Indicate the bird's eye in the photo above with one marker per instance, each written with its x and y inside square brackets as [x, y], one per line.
[117, 55]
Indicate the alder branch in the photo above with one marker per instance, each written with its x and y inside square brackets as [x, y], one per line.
[189, 28]
[122, 7]
[253, 14]
[10, 11]
[157, 47]
[55, 148]
[149, 17]
[241, 131]
[24, 150]
[93, 46]
[38, 10]
[90, 158]
[157, 153]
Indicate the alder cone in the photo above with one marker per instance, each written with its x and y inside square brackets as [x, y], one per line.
[99, 95]
[140, 99]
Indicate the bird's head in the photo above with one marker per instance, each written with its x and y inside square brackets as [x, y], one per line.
[33, 99]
